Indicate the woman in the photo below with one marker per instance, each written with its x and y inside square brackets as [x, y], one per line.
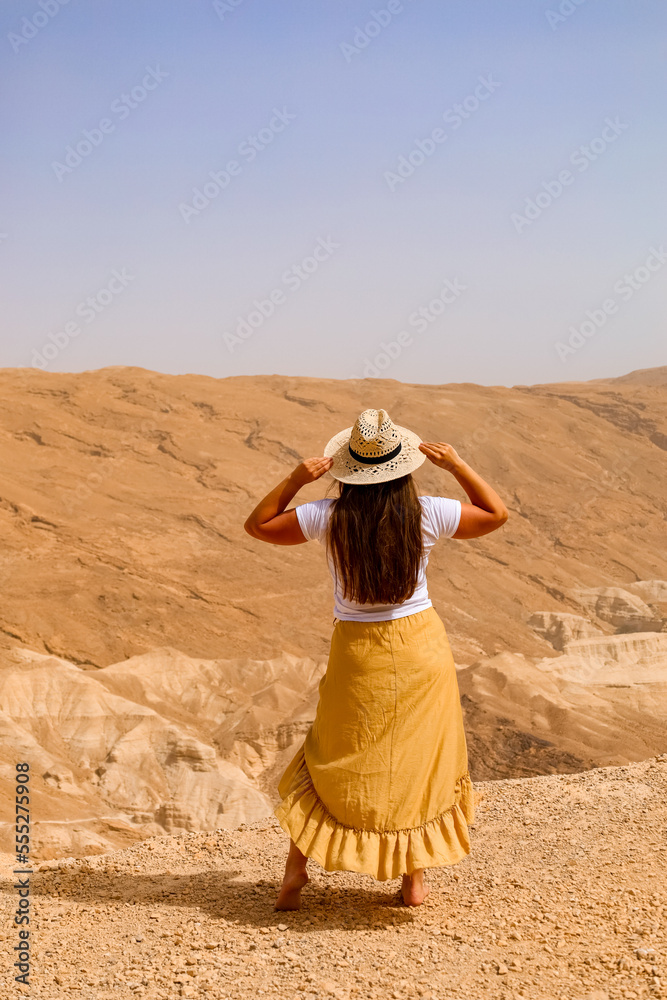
[381, 783]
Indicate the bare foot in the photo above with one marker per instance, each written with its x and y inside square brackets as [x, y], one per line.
[289, 897]
[296, 876]
[414, 890]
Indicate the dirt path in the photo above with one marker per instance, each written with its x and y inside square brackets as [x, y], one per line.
[563, 897]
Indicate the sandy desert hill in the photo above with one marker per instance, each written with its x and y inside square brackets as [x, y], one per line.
[129, 488]
[160, 666]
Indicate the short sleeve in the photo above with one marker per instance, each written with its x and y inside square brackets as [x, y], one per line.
[442, 515]
[313, 518]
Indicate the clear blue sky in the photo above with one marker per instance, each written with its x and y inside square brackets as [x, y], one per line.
[317, 105]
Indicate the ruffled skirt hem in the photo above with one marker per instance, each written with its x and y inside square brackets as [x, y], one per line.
[385, 854]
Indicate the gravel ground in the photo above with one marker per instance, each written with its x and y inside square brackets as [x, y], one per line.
[562, 897]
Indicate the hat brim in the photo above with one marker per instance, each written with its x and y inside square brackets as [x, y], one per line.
[346, 470]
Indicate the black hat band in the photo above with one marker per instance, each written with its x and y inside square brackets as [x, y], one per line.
[375, 459]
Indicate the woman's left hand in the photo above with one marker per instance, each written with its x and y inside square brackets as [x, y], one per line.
[309, 470]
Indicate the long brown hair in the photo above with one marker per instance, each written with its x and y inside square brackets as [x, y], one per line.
[374, 538]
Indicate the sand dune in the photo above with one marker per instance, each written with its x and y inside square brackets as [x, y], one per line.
[585, 710]
[143, 747]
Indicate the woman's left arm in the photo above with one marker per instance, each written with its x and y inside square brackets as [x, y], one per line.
[269, 521]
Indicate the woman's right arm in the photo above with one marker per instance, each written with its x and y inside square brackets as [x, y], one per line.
[486, 511]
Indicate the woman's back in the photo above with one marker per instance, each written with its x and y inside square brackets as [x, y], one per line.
[440, 519]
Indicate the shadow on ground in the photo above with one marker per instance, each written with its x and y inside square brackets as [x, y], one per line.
[222, 895]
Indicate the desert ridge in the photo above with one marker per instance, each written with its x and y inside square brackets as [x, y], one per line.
[130, 488]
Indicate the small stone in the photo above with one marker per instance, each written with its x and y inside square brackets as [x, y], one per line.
[502, 969]
[327, 987]
[282, 927]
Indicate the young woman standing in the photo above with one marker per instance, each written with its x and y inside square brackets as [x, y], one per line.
[381, 783]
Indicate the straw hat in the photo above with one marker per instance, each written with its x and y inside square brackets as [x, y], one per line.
[373, 450]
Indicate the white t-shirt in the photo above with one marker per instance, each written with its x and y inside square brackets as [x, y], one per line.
[440, 519]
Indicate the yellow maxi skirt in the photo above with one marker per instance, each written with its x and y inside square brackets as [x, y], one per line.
[381, 783]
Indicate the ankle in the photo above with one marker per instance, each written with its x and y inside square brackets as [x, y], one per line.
[296, 875]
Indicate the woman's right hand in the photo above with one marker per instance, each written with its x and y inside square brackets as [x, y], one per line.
[442, 455]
